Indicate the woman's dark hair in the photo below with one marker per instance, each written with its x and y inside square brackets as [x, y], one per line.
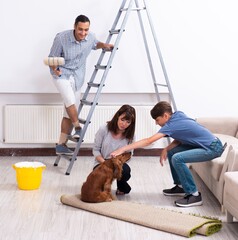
[81, 18]
[160, 108]
[130, 115]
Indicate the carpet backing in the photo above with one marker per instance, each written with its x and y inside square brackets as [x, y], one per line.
[149, 216]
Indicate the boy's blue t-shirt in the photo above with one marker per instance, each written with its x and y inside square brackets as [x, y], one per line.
[187, 131]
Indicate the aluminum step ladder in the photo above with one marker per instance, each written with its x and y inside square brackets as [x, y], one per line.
[123, 14]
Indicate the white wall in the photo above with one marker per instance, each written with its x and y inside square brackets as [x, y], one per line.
[199, 44]
[198, 40]
[30, 27]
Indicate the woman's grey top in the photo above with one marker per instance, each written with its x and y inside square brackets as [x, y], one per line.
[105, 144]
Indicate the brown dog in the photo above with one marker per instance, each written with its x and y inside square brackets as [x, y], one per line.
[97, 187]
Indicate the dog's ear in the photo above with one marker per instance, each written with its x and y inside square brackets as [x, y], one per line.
[117, 171]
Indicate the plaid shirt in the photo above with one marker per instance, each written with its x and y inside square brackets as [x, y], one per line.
[75, 54]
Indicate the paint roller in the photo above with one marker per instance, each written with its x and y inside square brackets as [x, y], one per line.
[54, 61]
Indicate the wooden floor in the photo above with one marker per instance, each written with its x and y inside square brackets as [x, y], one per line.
[39, 214]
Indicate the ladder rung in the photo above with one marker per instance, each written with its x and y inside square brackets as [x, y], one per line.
[70, 137]
[138, 9]
[85, 102]
[100, 67]
[162, 85]
[83, 121]
[90, 84]
[107, 50]
[68, 157]
[115, 31]
[133, 9]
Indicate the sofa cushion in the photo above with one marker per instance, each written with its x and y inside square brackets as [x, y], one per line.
[216, 164]
[227, 125]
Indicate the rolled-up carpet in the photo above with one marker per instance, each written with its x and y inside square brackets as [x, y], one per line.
[149, 216]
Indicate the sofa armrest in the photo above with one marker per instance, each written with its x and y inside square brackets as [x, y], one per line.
[231, 162]
[222, 125]
[233, 165]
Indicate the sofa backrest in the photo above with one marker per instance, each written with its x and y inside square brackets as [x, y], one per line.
[222, 125]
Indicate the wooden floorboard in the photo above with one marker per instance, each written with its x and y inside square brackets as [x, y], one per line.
[39, 214]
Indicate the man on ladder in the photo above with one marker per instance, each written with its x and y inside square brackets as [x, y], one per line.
[74, 46]
[126, 8]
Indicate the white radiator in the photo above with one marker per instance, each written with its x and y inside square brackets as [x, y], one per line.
[41, 123]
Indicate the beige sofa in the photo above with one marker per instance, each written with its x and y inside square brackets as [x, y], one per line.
[231, 195]
[212, 172]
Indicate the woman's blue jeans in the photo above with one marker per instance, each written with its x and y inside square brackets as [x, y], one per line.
[182, 154]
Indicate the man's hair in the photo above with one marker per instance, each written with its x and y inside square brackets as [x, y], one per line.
[81, 18]
[160, 108]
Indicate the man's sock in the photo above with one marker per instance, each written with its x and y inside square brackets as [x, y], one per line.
[76, 125]
[63, 138]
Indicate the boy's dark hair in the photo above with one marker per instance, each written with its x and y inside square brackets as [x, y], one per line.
[81, 18]
[160, 108]
[130, 115]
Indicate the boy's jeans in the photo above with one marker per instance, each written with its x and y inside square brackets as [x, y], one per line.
[182, 154]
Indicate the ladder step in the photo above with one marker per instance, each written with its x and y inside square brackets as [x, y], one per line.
[85, 102]
[70, 137]
[115, 31]
[162, 85]
[68, 157]
[138, 9]
[83, 121]
[107, 50]
[90, 84]
[100, 67]
[133, 9]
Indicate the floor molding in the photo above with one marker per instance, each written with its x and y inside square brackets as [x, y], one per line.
[83, 152]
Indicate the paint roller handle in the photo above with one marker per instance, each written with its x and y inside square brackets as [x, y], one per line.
[56, 70]
[54, 62]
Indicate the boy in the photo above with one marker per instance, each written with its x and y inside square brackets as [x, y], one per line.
[192, 143]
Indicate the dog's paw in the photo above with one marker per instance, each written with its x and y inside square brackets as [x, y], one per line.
[109, 199]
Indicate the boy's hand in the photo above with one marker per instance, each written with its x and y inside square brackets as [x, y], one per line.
[163, 156]
[116, 153]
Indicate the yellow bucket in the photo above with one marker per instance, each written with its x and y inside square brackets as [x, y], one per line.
[29, 174]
